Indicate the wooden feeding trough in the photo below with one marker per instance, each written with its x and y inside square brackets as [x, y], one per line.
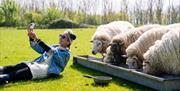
[163, 83]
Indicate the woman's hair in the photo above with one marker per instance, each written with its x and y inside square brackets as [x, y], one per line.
[69, 45]
[71, 36]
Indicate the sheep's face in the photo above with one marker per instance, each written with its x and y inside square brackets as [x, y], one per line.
[149, 69]
[132, 62]
[109, 57]
[146, 67]
[117, 48]
[97, 47]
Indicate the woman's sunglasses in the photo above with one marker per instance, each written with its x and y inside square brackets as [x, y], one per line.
[62, 36]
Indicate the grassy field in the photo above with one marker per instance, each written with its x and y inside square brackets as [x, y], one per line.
[14, 48]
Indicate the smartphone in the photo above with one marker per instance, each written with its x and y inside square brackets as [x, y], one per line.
[32, 25]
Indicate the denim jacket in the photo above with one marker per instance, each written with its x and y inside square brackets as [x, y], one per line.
[58, 61]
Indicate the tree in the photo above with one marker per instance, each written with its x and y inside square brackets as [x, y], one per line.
[1, 16]
[138, 12]
[125, 9]
[159, 7]
[150, 9]
[106, 11]
[9, 12]
[33, 17]
[52, 13]
[173, 13]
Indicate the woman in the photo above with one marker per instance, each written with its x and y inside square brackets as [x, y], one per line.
[52, 61]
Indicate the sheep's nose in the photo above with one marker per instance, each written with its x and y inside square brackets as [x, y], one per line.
[93, 52]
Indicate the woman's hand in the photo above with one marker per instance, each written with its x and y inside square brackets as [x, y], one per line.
[31, 33]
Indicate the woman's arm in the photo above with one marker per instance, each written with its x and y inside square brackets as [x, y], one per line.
[43, 45]
[62, 58]
[38, 45]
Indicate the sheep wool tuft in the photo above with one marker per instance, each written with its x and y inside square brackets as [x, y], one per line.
[136, 50]
[104, 33]
[120, 42]
[164, 56]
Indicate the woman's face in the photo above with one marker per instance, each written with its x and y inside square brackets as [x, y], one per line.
[64, 40]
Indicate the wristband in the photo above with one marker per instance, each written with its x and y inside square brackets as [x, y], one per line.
[37, 40]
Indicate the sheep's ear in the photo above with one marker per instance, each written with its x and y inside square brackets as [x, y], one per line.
[146, 62]
[124, 56]
[105, 42]
[122, 43]
[91, 41]
[110, 44]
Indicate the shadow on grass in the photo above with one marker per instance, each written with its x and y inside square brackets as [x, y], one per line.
[25, 82]
[50, 78]
[115, 80]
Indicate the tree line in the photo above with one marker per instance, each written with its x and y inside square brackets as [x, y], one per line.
[17, 14]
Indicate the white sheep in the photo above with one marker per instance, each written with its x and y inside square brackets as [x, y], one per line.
[120, 42]
[175, 25]
[164, 55]
[104, 33]
[136, 50]
[109, 56]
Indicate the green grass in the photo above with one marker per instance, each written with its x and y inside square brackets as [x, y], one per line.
[14, 48]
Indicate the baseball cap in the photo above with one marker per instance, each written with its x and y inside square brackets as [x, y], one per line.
[71, 36]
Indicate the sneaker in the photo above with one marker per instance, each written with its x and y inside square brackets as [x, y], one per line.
[1, 70]
[4, 79]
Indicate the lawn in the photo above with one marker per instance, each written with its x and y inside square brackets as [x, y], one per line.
[14, 48]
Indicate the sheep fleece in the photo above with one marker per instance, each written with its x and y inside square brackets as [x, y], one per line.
[164, 56]
[146, 40]
[127, 38]
[107, 31]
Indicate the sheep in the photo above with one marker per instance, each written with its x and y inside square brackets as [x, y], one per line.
[175, 25]
[136, 50]
[104, 33]
[120, 42]
[110, 58]
[164, 55]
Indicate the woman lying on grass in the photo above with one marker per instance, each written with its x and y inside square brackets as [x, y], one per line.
[52, 61]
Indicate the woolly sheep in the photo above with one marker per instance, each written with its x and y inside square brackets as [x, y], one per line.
[120, 42]
[136, 50]
[164, 55]
[110, 58]
[175, 25]
[104, 33]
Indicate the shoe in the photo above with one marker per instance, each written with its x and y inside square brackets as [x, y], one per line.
[1, 70]
[4, 79]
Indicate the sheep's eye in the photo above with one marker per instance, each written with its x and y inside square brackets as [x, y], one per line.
[146, 62]
[133, 63]
[134, 58]
[98, 44]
